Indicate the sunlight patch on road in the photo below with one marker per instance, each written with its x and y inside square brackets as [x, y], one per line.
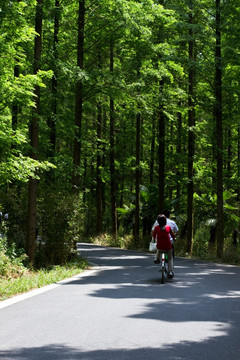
[191, 331]
[210, 272]
[227, 295]
[183, 284]
[155, 334]
[188, 331]
[123, 257]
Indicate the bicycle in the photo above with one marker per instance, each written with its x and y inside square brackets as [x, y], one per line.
[163, 266]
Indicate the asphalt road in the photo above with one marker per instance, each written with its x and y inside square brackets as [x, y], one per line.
[120, 310]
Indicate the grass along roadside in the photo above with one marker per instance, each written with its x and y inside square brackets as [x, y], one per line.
[30, 280]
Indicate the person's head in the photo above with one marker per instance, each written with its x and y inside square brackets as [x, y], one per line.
[161, 220]
[166, 213]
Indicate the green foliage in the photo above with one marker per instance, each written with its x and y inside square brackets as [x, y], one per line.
[150, 46]
[56, 241]
[11, 264]
[201, 243]
[202, 249]
[231, 253]
[20, 168]
[124, 242]
[36, 279]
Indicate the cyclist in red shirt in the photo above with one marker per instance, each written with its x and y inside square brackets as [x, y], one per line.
[161, 232]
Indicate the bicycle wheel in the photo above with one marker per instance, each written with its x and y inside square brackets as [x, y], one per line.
[163, 275]
[163, 267]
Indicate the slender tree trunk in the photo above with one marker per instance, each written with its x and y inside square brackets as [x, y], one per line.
[84, 179]
[179, 150]
[52, 119]
[112, 153]
[99, 175]
[15, 102]
[161, 131]
[79, 100]
[152, 149]
[229, 152]
[137, 179]
[219, 133]
[238, 172]
[171, 185]
[191, 136]
[32, 186]
[161, 155]
[104, 135]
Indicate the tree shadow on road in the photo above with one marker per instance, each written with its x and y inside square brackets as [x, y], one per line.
[201, 303]
[185, 350]
[202, 294]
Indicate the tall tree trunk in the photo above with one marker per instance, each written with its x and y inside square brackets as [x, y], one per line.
[179, 150]
[52, 119]
[238, 172]
[79, 100]
[104, 135]
[161, 154]
[112, 153]
[191, 136]
[161, 130]
[218, 117]
[15, 102]
[99, 188]
[171, 185]
[229, 152]
[152, 148]
[137, 180]
[32, 186]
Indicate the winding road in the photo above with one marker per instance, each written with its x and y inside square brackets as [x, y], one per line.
[119, 309]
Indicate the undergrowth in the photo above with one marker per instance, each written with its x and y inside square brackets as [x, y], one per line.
[200, 248]
[123, 242]
[31, 279]
[17, 278]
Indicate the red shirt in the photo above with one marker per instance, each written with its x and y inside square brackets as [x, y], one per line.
[163, 239]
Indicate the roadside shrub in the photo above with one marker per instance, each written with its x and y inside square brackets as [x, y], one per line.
[124, 242]
[231, 253]
[14, 227]
[201, 243]
[127, 242]
[56, 246]
[11, 265]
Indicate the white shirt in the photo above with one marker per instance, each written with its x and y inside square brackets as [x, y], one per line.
[170, 223]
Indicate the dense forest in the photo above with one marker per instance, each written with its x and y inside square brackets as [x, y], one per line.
[111, 111]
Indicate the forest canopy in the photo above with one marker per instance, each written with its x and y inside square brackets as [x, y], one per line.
[111, 112]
